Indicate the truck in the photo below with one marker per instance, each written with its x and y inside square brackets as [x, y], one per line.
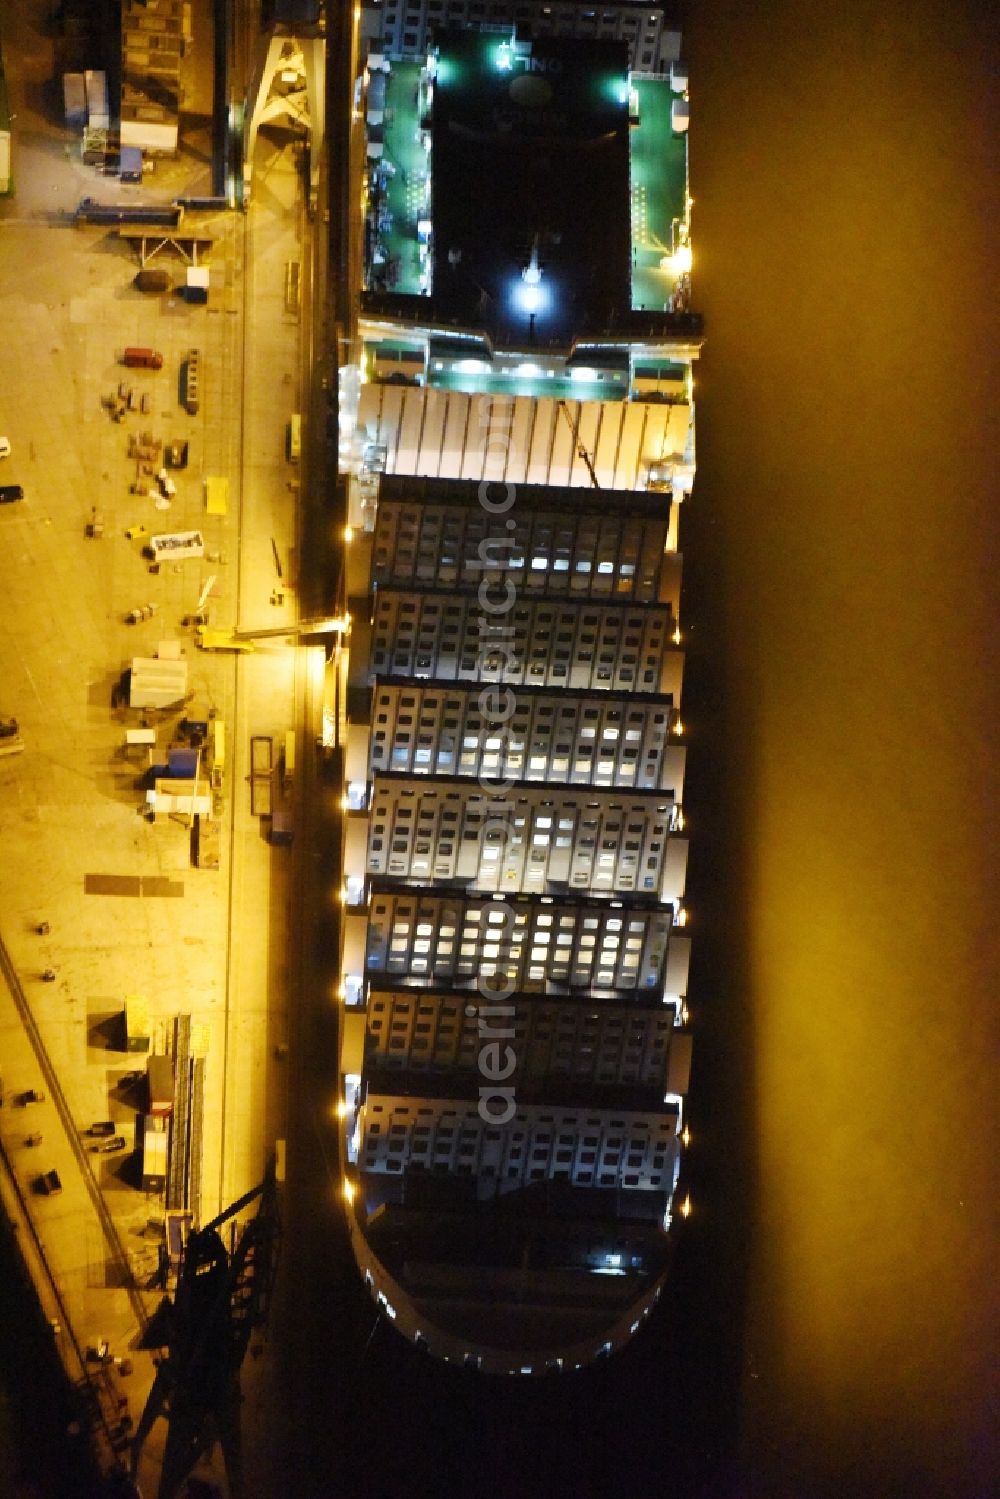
[11, 742]
[143, 359]
[190, 372]
[152, 279]
[167, 215]
[174, 546]
[154, 1155]
[160, 1081]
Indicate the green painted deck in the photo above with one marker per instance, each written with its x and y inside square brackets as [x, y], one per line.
[405, 194]
[558, 389]
[659, 191]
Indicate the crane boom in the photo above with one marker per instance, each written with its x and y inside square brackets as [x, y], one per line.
[581, 451]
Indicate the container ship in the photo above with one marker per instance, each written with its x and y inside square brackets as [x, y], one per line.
[517, 428]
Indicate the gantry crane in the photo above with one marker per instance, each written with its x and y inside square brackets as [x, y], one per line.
[221, 1297]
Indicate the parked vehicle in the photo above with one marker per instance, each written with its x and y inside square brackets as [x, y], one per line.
[30, 1095]
[48, 1183]
[144, 359]
[34, 1139]
[154, 1155]
[9, 493]
[190, 370]
[152, 280]
[101, 1127]
[106, 1147]
[160, 1075]
[91, 211]
[4, 447]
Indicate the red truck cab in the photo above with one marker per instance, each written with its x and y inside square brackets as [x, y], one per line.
[143, 359]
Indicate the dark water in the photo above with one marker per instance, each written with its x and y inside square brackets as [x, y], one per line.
[844, 170]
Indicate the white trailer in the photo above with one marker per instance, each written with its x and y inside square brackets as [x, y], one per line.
[75, 100]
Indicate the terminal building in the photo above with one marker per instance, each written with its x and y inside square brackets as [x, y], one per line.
[517, 424]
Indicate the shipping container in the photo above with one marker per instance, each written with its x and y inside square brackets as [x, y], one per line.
[138, 1030]
[160, 1080]
[209, 840]
[130, 164]
[183, 760]
[216, 494]
[281, 830]
[6, 176]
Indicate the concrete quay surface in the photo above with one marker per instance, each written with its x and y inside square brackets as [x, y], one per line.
[70, 804]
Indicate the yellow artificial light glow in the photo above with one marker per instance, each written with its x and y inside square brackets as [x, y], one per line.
[342, 1109]
[678, 727]
[348, 1191]
[686, 1207]
[677, 636]
[348, 533]
[685, 1136]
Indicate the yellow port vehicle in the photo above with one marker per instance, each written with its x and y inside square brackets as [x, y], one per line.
[211, 639]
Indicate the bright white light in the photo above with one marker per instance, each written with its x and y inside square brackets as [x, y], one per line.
[531, 275]
[527, 370]
[582, 372]
[470, 366]
[530, 298]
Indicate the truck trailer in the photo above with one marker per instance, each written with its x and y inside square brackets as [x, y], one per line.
[138, 1029]
[160, 1080]
[154, 1155]
[74, 100]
